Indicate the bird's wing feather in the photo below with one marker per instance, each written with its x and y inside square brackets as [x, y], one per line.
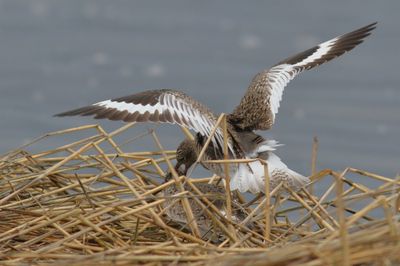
[165, 106]
[267, 86]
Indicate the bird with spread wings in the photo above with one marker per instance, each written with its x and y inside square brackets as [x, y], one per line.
[256, 111]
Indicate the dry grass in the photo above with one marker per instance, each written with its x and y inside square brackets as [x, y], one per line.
[89, 202]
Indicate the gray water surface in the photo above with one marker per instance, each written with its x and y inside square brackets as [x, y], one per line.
[57, 55]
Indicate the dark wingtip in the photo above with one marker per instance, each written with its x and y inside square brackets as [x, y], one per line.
[362, 32]
[371, 26]
[60, 115]
[79, 111]
[68, 113]
[368, 29]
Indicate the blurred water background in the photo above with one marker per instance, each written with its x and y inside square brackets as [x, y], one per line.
[57, 55]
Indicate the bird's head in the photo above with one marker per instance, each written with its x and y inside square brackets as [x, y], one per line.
[186, 156]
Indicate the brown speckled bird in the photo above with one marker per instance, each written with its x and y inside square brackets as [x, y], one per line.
[256, 111]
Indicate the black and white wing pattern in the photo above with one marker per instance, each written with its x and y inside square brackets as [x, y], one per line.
[165, 106]
[260, 104]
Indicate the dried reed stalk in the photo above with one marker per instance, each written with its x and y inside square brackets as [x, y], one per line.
[91, 202]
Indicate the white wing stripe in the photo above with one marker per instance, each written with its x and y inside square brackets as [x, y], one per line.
[323, 49]
[195, 120]
[130, 107]
[281, 75]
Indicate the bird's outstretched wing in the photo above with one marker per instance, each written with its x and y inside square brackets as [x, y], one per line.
[260, 104]
[165, 106]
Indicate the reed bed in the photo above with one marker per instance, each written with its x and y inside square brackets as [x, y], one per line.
[90, 202]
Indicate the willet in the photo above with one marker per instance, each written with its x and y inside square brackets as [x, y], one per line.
[256, 111]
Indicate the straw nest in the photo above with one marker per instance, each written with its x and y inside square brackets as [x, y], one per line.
[91, 202]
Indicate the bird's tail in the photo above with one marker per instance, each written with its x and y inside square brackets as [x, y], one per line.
[250, 177]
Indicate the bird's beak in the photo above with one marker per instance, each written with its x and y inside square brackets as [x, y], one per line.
[180, 168]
